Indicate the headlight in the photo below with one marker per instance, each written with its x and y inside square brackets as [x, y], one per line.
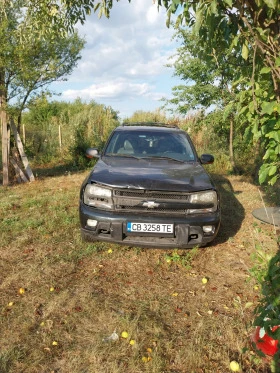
[203, 202]
[97, 196]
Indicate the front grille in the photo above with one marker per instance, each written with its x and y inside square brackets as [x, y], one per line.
[172, 203]
[151, 194]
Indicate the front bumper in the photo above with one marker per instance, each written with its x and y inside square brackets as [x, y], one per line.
[111, 227]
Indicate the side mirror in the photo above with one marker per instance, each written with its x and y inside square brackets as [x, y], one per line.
[206, 159]
[92, 153]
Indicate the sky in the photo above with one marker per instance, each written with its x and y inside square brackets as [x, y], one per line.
[123, 62]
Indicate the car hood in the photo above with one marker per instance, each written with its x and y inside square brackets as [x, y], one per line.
[150, 174]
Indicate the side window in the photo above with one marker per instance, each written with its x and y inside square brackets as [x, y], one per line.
[113, 144]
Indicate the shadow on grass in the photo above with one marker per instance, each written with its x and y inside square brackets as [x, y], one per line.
[232, 211]
[58, 169]
[270, 193]
[50, 170]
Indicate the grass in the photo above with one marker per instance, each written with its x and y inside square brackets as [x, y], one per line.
[77, 294]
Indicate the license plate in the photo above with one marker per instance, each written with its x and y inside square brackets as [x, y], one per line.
[150, 227]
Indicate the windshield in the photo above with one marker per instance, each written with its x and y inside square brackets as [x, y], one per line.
[151, 144]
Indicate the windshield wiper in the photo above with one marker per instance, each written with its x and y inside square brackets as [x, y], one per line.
[164, 157]
[122, 155]
[145, 157]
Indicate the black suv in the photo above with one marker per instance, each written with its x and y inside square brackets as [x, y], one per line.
[149, 188]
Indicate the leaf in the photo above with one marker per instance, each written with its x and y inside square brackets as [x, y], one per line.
[228, 110]
[277, 61]
[199, 20]
[234, 42]
[245, 51]
[168, 18]
[265, 70]
[96, 7]
[274, 135]
[244, 108]
[272, 170]
[179, 20]
[273, 180]
[228, 2]
[277, 149]
[248, 304]
[276, 333]
[268, 154]
[263, 174]
[268, 107]
[213, 6]
[271, 3]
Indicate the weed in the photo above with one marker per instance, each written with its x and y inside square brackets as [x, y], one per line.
[184, 258]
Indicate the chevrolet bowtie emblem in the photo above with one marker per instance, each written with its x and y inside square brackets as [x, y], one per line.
[150, 204]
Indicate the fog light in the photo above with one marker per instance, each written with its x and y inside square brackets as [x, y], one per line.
[91, 223]
[208, 229]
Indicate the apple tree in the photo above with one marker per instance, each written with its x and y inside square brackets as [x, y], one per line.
[250, 28]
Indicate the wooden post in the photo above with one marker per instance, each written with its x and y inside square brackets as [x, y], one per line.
[8, 140]
[19, 173]
[59, 137]
[4, 126]
[21, 152]
[5, 148]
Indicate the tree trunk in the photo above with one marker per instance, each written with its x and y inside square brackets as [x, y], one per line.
[231, 153]
[4, 123]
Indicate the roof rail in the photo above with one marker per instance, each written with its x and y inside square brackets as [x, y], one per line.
[155, 124]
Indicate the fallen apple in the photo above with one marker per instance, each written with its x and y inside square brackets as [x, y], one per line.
[124, 334]
[265, 342]
[234, 366]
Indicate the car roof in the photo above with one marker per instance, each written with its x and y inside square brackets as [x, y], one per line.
[154, 126]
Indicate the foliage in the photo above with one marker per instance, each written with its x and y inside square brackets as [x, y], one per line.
[41, 126]
[255, 27]
[268, 310]
[207, 76]
[92, 127]
[263, 115]
[30, 66]
[82, 125]
[220, 52]
[149, 116]
[208, 79]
